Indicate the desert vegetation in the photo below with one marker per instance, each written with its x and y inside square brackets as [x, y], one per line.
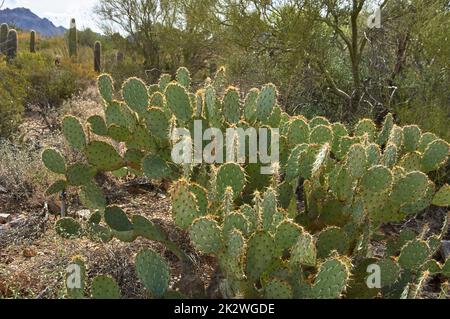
[353, 97]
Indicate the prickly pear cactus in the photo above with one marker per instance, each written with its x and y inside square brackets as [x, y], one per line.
[304, 231]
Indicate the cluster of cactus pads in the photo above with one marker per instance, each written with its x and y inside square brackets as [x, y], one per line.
[267, 242]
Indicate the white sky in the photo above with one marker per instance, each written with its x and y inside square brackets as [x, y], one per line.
[61, 11]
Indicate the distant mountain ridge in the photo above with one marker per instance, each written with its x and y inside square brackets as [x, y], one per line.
[25, 19]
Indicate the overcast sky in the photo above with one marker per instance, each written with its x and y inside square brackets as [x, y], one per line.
[60, 11]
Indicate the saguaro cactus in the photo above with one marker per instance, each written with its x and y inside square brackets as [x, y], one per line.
[73, 39]
[4, 29]
[119, 57]
[33, 41]
[11, 44]
[97, 56]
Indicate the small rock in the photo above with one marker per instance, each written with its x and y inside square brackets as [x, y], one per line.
[445, 249]
[3, 190]
[83, 214]
[4, 218]
[29, 252]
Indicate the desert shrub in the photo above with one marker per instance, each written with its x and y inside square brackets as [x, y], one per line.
[49, 85]
[12, 95]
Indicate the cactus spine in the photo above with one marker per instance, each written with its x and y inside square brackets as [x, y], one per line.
[73, 39]
[4, 29]
[12, 44]
[97, 56]
[33, 41]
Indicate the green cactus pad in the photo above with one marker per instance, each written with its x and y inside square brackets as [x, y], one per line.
[409, 188]
[386, 129]
[80, 174]
[103, 156]
[206, 235]
[394, 245]
[201, 196]
[56, 187]
[425, 140]
[184, 204]
[396, 137]
[286, 236]
[230, 175]
[105, 287]
[157, 99]
[442, 197]
[153, 271]
[235, 244]
[261, 253]
[54, 161]
[344, 146]
[120, 115]
[307, 160]
[183, 77]
[135, 95]
[133, 158]
[157, 123]
[319, 120]
[343, 185]
[152, 89]
[278, 289]
[266, 102]
[411, 135]
[366, 126]
[411, 162]
[155, 167]
[298, 132]
[119, 133]
[422, 202]
[250, 105]
[292, 167]
[331, 280]
[332, 239]
[235, 220]
[116, 218]
[164, 81]
[356, 162]
[147, 229]
[269, 208]
[339, 131]
[377, 179]
[321, 134]
[98, 125]
[74, 133]
[231, 106]
[251, 216]
[389, 271]
[105, 85]
[373, 153]
[414, 254]
[390, 155]
[68, 228]
[435, 155]
[179, 102]
[304, 251]
[92, 197]
[99, 233]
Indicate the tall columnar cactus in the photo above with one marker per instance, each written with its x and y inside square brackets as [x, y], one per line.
[4, 29]
[12, 45]
[119, 57]
[33, 41]
[73, 39]
[352, 182]
[97, 57]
